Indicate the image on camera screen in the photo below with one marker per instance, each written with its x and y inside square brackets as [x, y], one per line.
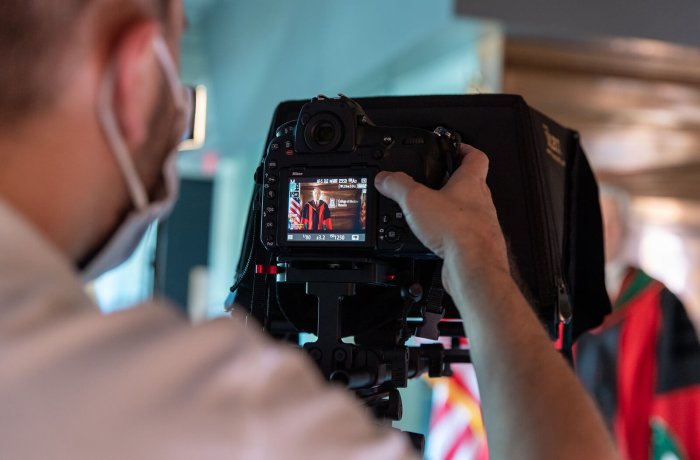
[327, 210]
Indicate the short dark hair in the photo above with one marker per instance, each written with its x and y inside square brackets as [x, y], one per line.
[35, 38]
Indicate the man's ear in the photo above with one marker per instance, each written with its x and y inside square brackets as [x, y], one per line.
[136, 81]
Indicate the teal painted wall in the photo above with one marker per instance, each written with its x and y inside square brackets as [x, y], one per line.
[266, 51]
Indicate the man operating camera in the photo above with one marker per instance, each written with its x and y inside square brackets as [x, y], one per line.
[91, 109]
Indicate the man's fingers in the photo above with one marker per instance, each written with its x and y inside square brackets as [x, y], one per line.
[475, 165]
[463, 151]
[475, 162]
[395, 185]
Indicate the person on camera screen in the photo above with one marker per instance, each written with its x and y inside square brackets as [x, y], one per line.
[316, 214]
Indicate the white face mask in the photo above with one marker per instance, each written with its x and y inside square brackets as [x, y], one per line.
[127, 237]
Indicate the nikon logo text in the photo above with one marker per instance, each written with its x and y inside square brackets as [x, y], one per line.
[553, 146]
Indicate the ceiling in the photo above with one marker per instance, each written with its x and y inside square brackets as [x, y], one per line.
[637, 106]
[635, 102]
[674, 22]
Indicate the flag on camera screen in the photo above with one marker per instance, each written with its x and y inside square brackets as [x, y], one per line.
[294, 213]
[456, 428]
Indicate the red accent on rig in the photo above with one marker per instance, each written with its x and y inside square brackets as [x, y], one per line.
[559, 342]
[390, 278]
[266, 269]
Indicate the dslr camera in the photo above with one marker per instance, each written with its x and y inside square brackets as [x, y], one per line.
[318, 181]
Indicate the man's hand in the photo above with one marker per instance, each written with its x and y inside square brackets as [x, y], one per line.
[533, 405]
[458, 220]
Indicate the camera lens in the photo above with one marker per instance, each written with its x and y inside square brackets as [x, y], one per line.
[323, 132]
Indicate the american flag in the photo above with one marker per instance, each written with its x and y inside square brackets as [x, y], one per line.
[294, 212]
[456, 428]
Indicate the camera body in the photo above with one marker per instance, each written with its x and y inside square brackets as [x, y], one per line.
[317, 179]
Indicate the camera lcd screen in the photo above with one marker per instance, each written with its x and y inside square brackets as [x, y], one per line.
[327, 210]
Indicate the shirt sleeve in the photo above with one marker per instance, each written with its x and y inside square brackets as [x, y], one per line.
[144, 384]
[290, 412]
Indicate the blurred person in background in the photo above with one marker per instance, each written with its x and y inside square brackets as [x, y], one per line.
[91, 111]
[643, 364]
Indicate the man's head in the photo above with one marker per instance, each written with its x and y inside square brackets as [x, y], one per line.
[614, 204]
[316, 194]
[42, 40]
[60, 170]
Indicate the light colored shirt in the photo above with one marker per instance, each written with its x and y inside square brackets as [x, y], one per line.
[143, 384]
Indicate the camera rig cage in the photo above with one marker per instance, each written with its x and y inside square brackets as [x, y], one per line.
[348, 266]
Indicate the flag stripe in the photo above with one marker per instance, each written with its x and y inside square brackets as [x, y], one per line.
[456, 429]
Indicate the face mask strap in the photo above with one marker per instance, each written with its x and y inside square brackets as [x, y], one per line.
[137, 191]
[126, 238]
[182, 102]
[108, 120]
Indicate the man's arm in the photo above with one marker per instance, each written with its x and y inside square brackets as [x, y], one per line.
[533, 405]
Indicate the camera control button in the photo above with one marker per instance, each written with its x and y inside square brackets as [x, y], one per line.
[269, 225]
[393, 234]
[386, 218]
[271, 194]
[288, 145]
[274, 146]
[269, 241]
[271, 179]
[272, 164]
[378, 154]
[270, 209]
[399, 215]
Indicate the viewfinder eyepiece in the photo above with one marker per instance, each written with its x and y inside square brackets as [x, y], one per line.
[323, 132]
